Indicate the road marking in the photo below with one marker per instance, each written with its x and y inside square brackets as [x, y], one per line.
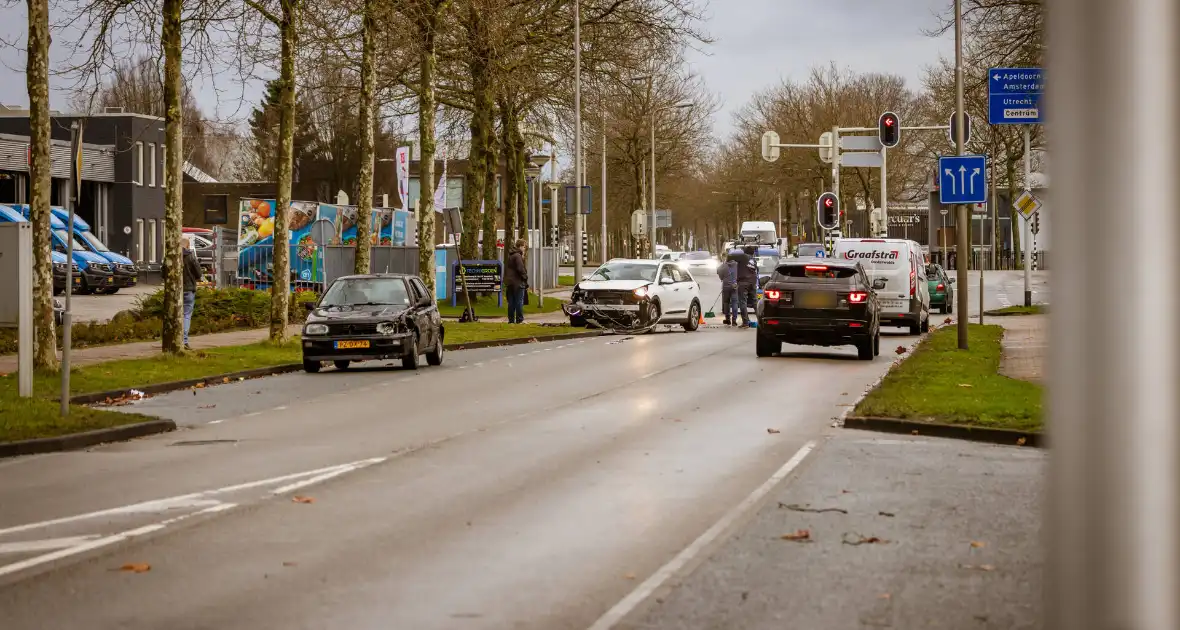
[280, 408]
[216, 421]
[47, 544]
[252, 414]
[666, 572]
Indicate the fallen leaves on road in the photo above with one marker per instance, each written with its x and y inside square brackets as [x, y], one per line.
[978, 544]
[914, 432]
[889, 514]
[199, 386]
[803, 508]
[225, 380]
[206, 407]
[900, 350]
[981, 567]
[884, 596]
[630, 576]
[800, 535]
[302, 499]
[845, 492]
[947, 320]
[773, 431]
[857, 540]
[290, 564]
[139, 567]
[1021, 442]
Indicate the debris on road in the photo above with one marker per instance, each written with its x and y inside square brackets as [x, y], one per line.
[302, 499]
[801, 535]
[978, 544]
[773, 431]
[802, 508]
[140, 567]
[1021, 441]
[855, 540]
[981, 567]
[889, 514]
[900, 350]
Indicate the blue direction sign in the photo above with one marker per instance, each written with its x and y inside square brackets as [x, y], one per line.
[1014, 96]
[962, 179]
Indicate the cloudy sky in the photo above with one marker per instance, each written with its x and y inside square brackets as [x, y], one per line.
[758, 42]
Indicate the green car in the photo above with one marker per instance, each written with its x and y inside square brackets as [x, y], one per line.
[942, 290]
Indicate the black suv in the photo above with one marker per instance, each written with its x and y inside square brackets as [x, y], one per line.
[820, 302]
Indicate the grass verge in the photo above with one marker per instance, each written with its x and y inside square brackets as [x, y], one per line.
[943, 384]
[30, 418]
[487, 331]
[486, 306]
[566, 281]
[1035, 309]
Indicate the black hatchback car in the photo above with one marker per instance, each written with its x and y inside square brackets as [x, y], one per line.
[373, 318]
[820, 302]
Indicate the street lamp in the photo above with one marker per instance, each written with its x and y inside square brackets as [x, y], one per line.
[538, 161]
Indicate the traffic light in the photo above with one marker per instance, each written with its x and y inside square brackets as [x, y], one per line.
[1036, 223]
[889, 128]
[829, 211]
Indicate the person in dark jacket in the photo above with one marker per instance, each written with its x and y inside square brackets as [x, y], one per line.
[516, 281]
[191, 271]
[727, 272]
[747, 280]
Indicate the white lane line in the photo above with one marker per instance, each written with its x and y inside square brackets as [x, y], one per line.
[47, 544]
[216, 421]
[193, 500]
[326, 476]
[109, 540]
[666, 572]
[252, 414]
[280, 408]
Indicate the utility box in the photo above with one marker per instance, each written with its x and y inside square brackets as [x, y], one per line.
[16, 285]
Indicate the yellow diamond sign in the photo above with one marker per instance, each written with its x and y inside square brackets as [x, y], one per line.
[1027, 204]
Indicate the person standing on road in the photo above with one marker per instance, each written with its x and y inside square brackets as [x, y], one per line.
[192, 277]
[516, 281]
[727, 272]
[747, 281]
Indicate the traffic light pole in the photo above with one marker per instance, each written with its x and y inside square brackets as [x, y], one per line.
[962, 224]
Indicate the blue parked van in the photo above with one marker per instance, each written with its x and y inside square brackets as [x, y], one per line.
[97, 272]
[60, 269]
[125, 272]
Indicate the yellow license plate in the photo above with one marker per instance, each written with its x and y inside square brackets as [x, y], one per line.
[110, 280]
[348, 345]
[817, 300]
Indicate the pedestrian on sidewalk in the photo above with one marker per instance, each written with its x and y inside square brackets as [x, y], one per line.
[192, 277]
[727, 272]
[516, 281]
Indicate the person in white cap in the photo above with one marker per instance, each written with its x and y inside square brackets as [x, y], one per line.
[191, 270]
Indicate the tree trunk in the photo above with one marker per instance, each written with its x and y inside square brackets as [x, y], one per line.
[475, 192]
[364, 206]
[491, 199]
[428, 31]
[173, 329]
[37, 78]
[280, 290]
[510, 196]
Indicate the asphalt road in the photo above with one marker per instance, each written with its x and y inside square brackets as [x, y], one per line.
[521, 487]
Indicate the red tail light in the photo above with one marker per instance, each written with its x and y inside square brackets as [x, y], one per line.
[940, 287]
[772, 322]
[913, 282]
[773, 294]
[858, 297]
[816, 267]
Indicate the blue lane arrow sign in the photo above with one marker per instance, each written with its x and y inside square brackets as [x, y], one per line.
[1014, 96]
[962, 179]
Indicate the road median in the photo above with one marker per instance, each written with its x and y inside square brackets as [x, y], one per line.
[943, 391]
[35, 425]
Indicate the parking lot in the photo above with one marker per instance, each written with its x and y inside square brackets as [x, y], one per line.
[101, 308]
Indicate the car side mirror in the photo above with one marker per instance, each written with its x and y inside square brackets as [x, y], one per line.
[666, 281]
[879, 284]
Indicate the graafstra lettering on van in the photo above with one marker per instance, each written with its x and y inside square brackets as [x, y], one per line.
[852, 254]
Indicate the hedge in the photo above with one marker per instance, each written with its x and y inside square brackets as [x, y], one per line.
[216, 310]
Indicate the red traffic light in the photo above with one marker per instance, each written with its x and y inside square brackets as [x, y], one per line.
[889, 129]
[828, 202]
[888, 122]
[829, 211]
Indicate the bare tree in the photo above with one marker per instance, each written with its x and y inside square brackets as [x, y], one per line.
[367, 157]
[170, 41]
[37, 78]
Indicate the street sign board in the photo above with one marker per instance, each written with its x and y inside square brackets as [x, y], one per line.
[859, 143]
[663, 218]
[944, 211]
[1027, 204]
[570, 199]
[825, 155]
[639, 223]
[962, 179]
[860, 160]
[1014, 96]
[770, 152]
[979, 209]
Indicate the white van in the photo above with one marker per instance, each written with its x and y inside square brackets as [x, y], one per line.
[905, 300]
[759, 232]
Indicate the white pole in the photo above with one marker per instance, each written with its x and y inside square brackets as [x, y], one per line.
[654, 227]
[24, 302]
[578, 222]
[1027, 230]
[603, 254]
[835, 173]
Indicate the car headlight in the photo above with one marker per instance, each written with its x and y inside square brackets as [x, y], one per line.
[387, 328]
[315, 329]
[59, 267]
[642, 291]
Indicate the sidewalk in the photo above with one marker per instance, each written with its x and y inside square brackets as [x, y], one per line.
[141, 349]
[948, 533]
[1025, 344]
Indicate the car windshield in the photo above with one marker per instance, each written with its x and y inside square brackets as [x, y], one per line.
[697, 256]
[78, 247]
[766, 264]
[815, 271]
[932, 272]
[366, 292]
[94, 243]
[808, 250]
[625, 271]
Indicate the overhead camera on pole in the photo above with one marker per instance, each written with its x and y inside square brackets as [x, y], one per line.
[889, 129]
[829, 211]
